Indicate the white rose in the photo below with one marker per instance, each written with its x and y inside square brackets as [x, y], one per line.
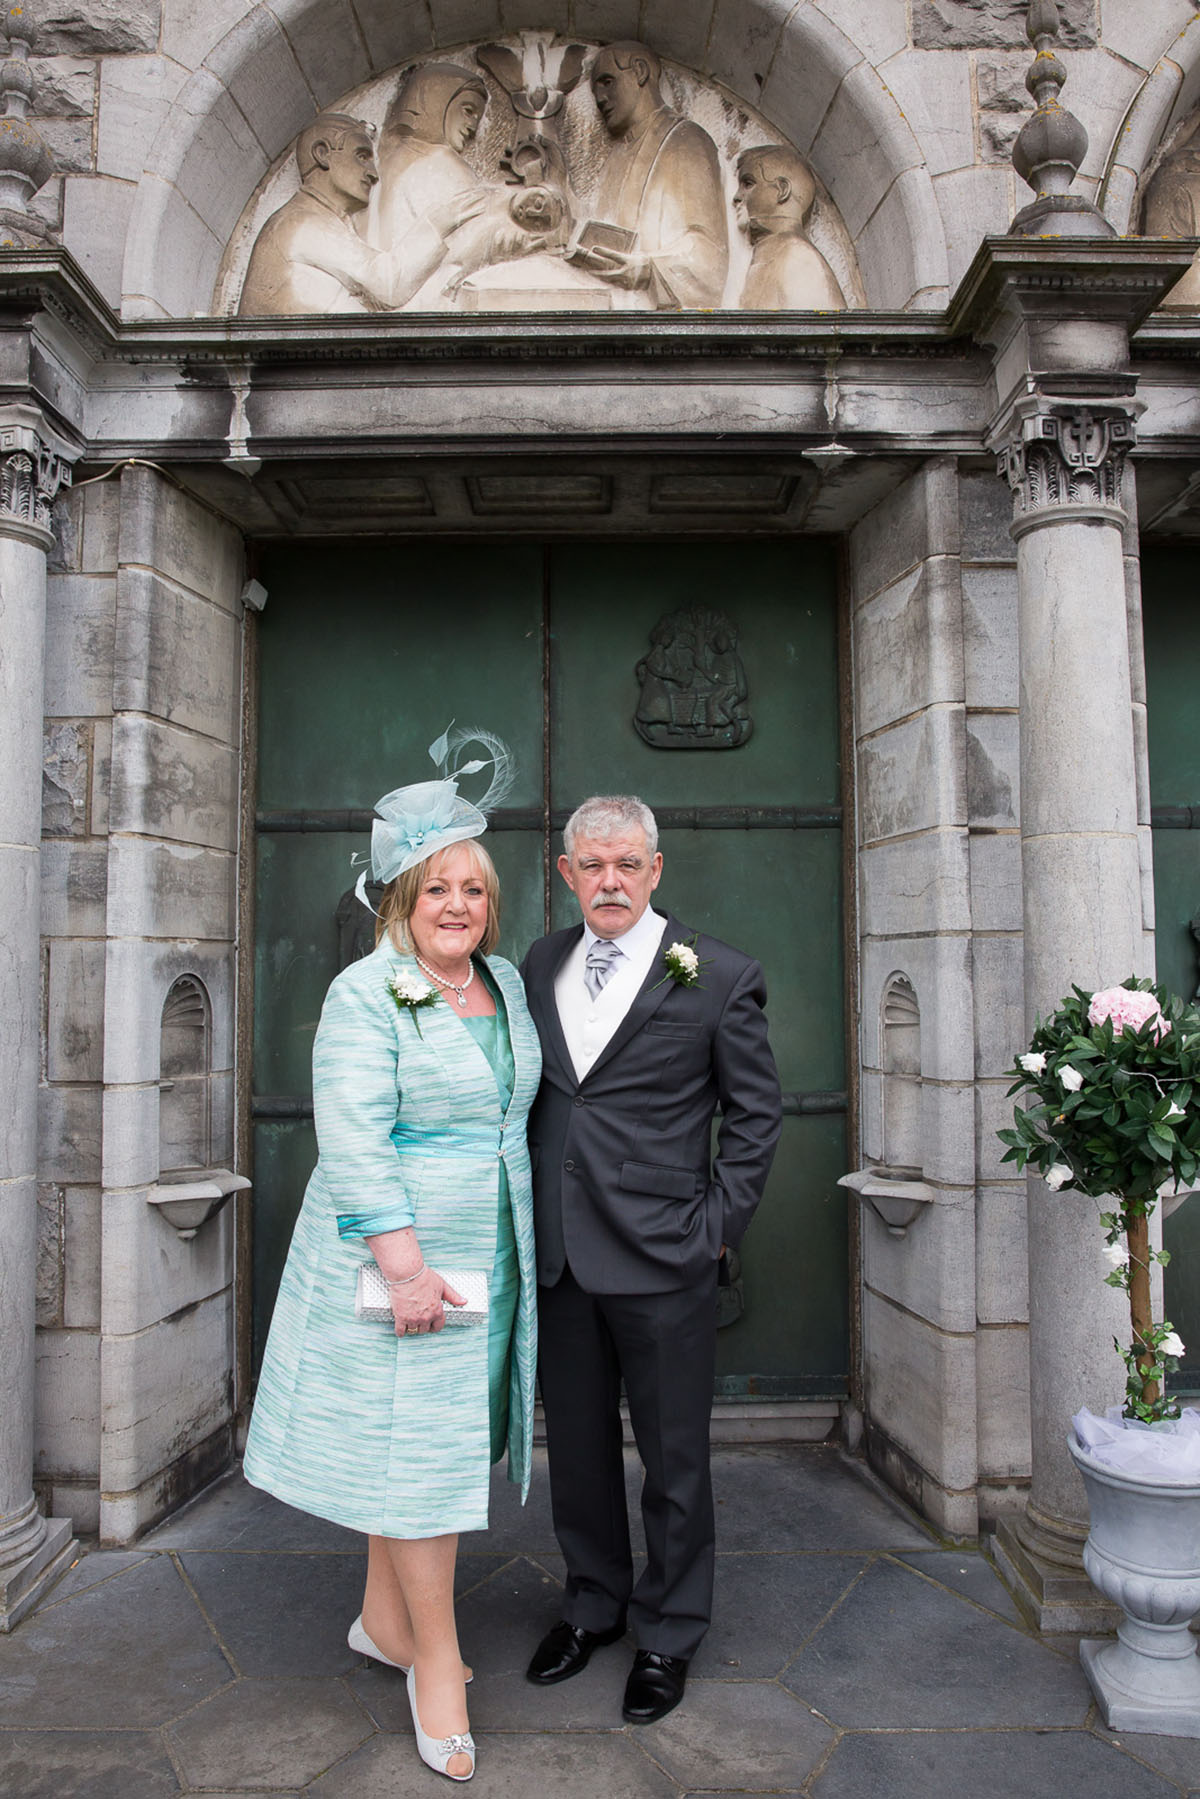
[1116, 1255]
[1174, 1111]
[1172, 1344]
[1071, 1078]
[1058, 1176]
[1033, 1064]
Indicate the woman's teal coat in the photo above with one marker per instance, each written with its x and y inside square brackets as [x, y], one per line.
[384, 1434]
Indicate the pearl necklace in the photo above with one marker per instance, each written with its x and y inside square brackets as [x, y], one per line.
[460, 992]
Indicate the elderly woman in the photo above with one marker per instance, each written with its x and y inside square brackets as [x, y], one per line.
[424, 1067]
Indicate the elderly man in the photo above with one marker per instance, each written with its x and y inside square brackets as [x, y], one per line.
[662, 182]
[646, 1029]
[308, 257]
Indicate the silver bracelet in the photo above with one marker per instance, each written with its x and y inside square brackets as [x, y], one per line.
[407, 1279]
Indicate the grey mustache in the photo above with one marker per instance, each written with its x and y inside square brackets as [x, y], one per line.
[612, 899]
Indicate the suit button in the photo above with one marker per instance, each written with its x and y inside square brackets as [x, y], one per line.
[580, 1102]
[570, 1167]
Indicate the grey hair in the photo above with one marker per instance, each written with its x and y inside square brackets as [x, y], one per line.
[606, 816]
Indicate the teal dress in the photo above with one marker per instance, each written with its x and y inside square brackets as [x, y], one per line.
[387, 1435]
[491, 1034]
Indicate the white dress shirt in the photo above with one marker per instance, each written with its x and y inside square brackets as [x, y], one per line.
[588, 1024]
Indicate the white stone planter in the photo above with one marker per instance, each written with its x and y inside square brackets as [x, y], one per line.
[1143, 1552]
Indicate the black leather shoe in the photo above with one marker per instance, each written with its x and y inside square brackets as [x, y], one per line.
[566, 1649]
[654, 1688]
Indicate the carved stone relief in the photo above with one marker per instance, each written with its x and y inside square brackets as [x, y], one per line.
[1172, 205]
[538, 175]
[693, 685]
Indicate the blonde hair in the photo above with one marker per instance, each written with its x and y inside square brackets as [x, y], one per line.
[400, 897]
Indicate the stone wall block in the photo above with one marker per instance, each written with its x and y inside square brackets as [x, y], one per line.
[64, 87]
[1058, 866]
[535, 15]
[78, 1500]
[984, 24]
[1002, 1254]
[609, 21]
[68, 1135]
[165, 1390]
[66, 26]
[985, 507]
[455, 22]
[130, 1137]
[1100, 91]
[67, 1403]
[1002, 1373]
[972, 203]
[326, 44]
[931, 1269]
[171, 783]
[222, 1110]
[937, 104]
[921, 1387]
[96, 214]
[870, 1096]
[993, 769]
[395, 34]
[916, 885]
[908, 646]
[680, 32]
[948, 1132]
[994, 1112]
[808, 68]
[221, 143]
[70, 143]
[74, 888]
[101, 774]
[912, 776]
[996, 881]
[867, 161]
[189, 32]
[902, 248]
[178, 657]
[878, 31]
[256, 63]
[151, 1272]
[173, 256]
[80, 625]
[101, 526]
[939, 968]
[136, 95]
[993, 676]
[48, 1296]
[917, 520]
[168, 890]
[164, 530]
[1141, 34]
[82, 1261]
[66, 771]
[65, 556]
[999, 1003]
[140, 974]
[75, 1011]
[742, 44]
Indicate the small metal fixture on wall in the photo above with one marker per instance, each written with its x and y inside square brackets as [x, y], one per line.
[693, 684]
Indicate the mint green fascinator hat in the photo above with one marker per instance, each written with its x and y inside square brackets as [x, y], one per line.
[415, 822]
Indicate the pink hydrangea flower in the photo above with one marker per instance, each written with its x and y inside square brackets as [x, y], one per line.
[1129, 1009]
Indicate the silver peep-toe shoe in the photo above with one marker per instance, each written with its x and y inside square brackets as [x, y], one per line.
[436, 1752]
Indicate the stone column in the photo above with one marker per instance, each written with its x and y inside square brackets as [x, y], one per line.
[1083, 920]
[33, 1550]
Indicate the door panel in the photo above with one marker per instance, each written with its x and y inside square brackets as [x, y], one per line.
[366, 654]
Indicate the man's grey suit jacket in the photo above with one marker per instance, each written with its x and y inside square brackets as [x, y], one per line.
[625, 1185]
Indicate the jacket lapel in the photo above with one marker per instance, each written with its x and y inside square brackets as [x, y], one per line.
[650, 996]
[544, 1007]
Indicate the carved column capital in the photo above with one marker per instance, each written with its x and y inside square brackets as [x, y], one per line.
[1065, 461]
[35, 466]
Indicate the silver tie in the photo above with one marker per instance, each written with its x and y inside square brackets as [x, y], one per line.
[601, 963]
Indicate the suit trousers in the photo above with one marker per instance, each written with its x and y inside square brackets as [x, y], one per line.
[663, 1347]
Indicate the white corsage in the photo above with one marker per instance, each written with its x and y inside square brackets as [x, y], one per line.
[411, 994]
[683, 964]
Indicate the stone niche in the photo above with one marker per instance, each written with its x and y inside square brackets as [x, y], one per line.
[538, 175]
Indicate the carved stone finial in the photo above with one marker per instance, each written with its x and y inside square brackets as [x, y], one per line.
[25, 162]
[1052, 144]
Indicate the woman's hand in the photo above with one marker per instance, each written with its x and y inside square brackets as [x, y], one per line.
[419, 1305]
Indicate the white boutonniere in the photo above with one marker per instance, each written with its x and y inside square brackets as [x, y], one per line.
[683, 964]
[411, 994]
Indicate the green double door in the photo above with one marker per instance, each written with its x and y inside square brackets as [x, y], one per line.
[606, 668]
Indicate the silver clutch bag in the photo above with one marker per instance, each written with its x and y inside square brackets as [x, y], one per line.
[371, 1295]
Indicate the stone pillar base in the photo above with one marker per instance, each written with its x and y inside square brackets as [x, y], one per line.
[1052, 1592]
[22, 1586]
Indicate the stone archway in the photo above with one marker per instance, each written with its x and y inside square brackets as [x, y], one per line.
[267, 77]
[1169, 93]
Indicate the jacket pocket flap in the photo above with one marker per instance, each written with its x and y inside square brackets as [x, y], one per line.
[664, 1027]
[652, 1177]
